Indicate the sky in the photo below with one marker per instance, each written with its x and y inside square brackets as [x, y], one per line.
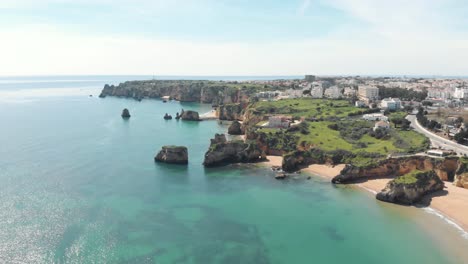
[234, 37]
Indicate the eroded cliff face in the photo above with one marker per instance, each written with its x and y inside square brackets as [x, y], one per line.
[184, 91]
[222, 152]
[409, 190]
[461, 177]
[230, 112]
[445, 168]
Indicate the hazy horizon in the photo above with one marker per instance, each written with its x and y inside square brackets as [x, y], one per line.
[239, 38]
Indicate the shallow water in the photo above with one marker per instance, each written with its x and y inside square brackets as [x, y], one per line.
[79, 185]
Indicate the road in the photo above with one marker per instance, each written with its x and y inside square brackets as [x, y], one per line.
[436, 140]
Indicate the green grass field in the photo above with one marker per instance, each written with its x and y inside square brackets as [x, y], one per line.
[351, 134]
[306, 107]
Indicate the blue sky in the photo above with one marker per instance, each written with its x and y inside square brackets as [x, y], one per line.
[229, 37]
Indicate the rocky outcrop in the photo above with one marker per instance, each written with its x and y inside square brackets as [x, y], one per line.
[444, 168]
[125, 113]
[223, 152]
[172, 154]
[235, 128]
[461, 180]
[410, 188]
[461, 177]
[230, 112]
[190, 116]
[214, 92]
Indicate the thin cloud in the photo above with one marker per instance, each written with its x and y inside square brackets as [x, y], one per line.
[305, 4]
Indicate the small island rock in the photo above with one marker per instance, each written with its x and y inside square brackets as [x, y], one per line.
[173, 155]
[410, 188]
[190, 115]
[235, 128]
[126, 113]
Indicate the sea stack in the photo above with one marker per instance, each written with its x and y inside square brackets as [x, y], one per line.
[190, 116]
[235, 128]
[410, 188]
[125, 113]
[173, 155]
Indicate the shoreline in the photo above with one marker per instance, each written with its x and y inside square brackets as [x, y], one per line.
[451, 204]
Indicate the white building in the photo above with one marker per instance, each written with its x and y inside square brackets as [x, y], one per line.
[390, 104]
[460, 93]
[349, 92]
[375, 117]
[333, 92]
[368, 93]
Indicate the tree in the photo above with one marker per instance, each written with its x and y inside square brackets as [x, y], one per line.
[409, 108]
[460, 136]
[427, 103]
[397, 121]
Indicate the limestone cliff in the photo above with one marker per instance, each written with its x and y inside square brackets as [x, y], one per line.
[461, 177]
[410, 188]
[172, 154]
[445, 168]
[223, 152]
[230, 112]
[216, 93]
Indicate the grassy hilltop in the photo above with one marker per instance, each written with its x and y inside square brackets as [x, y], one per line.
[332, 125]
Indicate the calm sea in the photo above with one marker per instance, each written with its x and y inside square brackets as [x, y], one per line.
[79, 185]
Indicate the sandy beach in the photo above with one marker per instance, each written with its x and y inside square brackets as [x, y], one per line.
[452, 202]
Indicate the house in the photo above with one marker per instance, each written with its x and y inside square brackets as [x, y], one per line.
[381, 125]
[390, 104]
[375, 117]
[279, 122]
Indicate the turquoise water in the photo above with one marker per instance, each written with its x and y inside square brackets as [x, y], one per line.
[79, 185]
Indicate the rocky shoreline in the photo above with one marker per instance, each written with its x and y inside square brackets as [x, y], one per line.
[411, 178]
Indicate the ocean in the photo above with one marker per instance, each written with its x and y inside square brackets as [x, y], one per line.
[79, 185]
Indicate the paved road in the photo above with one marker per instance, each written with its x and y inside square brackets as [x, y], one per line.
[437, 141]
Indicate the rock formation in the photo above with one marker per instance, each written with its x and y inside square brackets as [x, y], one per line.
[235, 128]
[461, 177]
[213, 92]
[230, 112]
[445, 168]
[410, 188]
[126, 113]
[190, 116]
[461, 180]
[223, 152]
[167, 117]
[172, 154]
